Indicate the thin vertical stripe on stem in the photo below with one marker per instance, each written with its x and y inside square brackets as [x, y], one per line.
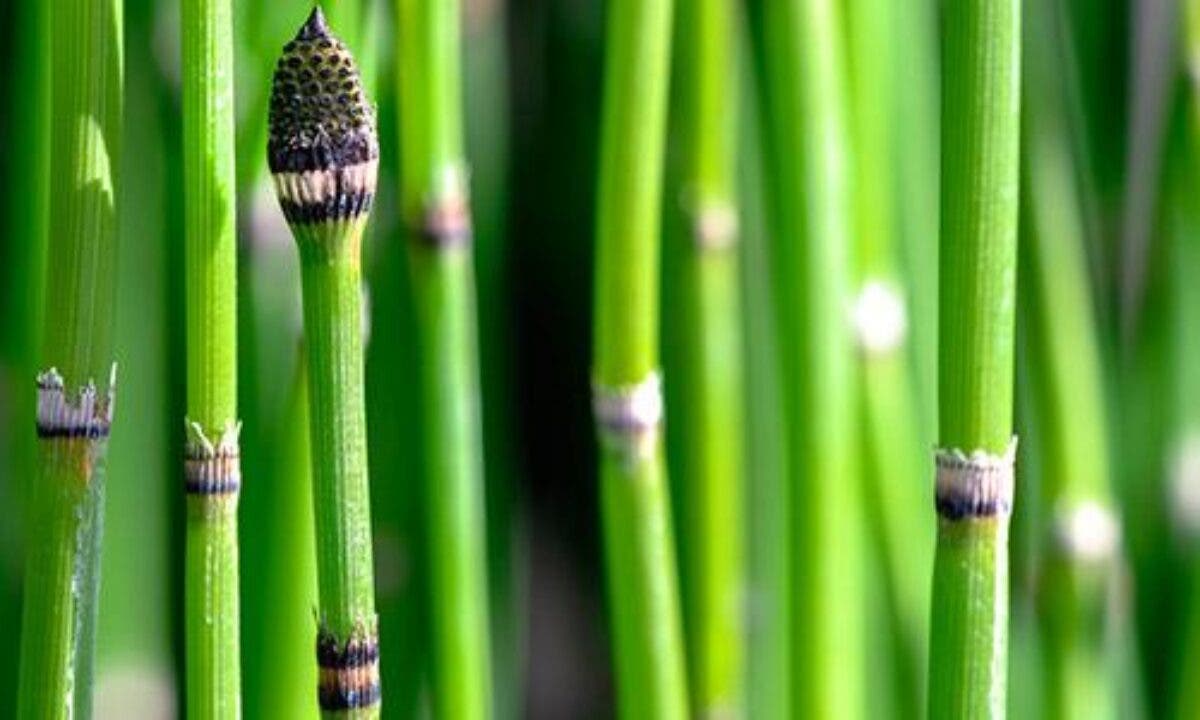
[212, 458]
[66, 498]
[980, 148]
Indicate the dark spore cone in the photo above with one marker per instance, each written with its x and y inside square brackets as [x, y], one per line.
[320, 118]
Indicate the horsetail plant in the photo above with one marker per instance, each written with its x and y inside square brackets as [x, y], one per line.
[212, 465]
[436, 207]
[977, 296]
[711, 471]
[627, 397]
[804, 114]
[323, 153]
[74, 416]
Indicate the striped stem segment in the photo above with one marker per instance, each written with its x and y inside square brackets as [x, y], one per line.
[212, 463]
[73, 415]
[980, 148]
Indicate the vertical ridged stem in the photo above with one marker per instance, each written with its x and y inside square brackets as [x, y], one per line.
[898, 495]
[1079, 525]
[323, 152]
[807, 151]
[331, 277]
[66, 498]
[213, 661]
[435, 202]
[644, 611]
[980, 128]
[710, 469]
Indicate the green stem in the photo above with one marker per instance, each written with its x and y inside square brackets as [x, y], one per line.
[66, 503]
[290, 578]
[213, 660]
[435, 201]
[709, 363]
[332, 327]
[980, 129]
[21, 304]
[807, 147]
[1183, 253]
[768, 676]
[323, 152]
[915, 72]
[644, 603]
[1080, 524]
[897, 495]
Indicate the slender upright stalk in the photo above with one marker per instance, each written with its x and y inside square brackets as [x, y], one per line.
[768, 561]
[897, 497]
[323, 153]
[73, 416]
[21, 280]
[488, 127]
[213, 457]
[1183, 253]
[980, 128]
[627, 399]
[394, 426]
[1081, 529]
[807, 141]
[290, 580]
[136, 642]
[711, 472]
[436, 206]
[915, 73]
[1184, 465]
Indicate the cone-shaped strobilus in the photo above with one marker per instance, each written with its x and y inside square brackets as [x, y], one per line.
[324, 153]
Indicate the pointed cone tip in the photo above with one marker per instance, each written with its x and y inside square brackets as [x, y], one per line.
[315, 26]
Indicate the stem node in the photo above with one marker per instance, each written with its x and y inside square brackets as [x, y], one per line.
[629, 417]
[88, 416]
[349, 671]
[975, 486]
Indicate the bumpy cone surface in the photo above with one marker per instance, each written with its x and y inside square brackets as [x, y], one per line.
[322, 149]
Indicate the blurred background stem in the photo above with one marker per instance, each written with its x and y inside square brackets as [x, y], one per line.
[897, 492]
[644, 609]
[1078, 528]
[805, 97]
[435, 204]
[704, 363]
[291, 579]
[21, 302]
